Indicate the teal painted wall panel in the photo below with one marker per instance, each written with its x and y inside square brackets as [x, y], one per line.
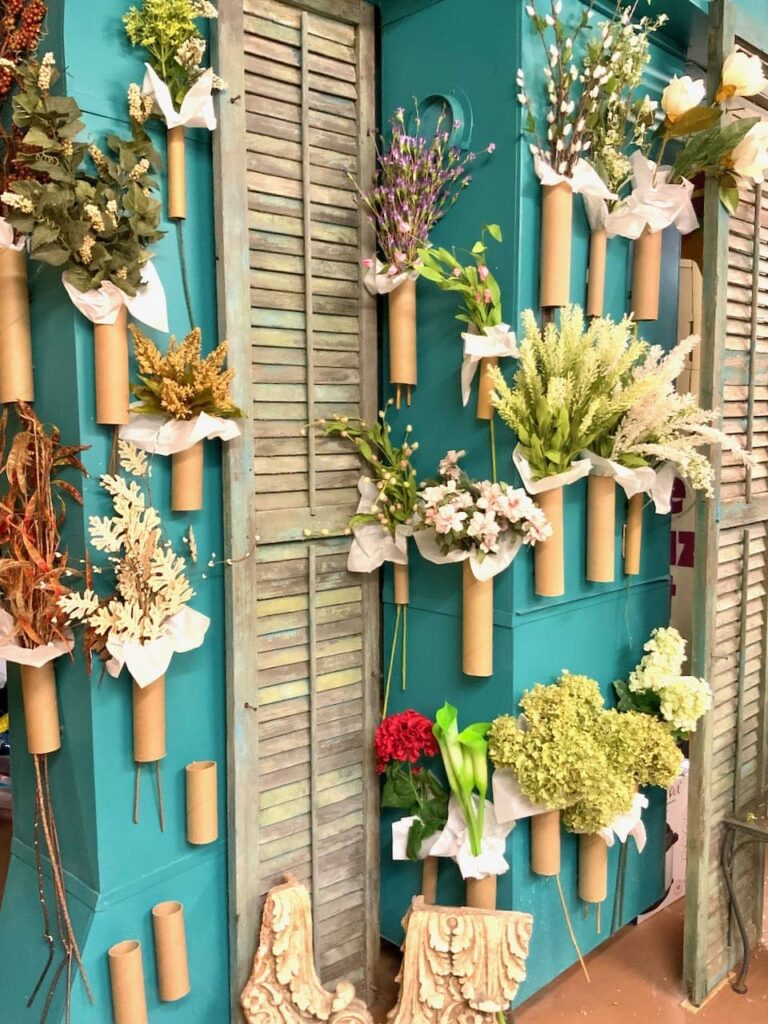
[596, 629]
[116, 870]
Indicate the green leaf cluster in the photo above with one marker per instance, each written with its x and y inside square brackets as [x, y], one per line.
[92, 213]
[417, 792]
[476, 286]
[465, 758]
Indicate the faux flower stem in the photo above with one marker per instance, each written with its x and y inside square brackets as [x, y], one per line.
[404, 661]
[391, 665]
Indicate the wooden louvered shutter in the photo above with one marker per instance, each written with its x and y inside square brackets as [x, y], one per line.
[729, 755]
[304, 656]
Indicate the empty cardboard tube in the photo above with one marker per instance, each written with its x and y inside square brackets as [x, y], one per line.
[111, 368]
[170, 951]
[633, 535]
[402, 334]
[646, 275]
[401, 583]
[545, 843]
[476, 624]
[601, 528]
[187, 479]
[429, 879]
[149, 721]
[202, 803]
[41, 708]
[177, 174]
[481, 893]
[16, 384]
[485, 408]
[593, 869]
[556, 231]
[126, 975]
[548, 556]
[598, 251]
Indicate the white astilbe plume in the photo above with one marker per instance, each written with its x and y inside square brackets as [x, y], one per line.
[150, 580]
[666, 426]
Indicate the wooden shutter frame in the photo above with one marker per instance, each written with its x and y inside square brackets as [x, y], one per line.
[727, 26]
[240, 518]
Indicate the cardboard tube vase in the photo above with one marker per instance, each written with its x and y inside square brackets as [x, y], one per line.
[187, 478]
[429, 879]
[16, 383]
[476, 624]
[170, 951]
[111, 367]
[402, 335]
[545, 843]
[485, 408]
[149, 722]
[177, 174]
[598, 251]
[593, 869]
[41, 708]
[646, 275]
[601, 528]
[556, 232]
[548, 555]
[633, 535]
[202, 803]
[126, 975]
[402, 588]
[481, 893]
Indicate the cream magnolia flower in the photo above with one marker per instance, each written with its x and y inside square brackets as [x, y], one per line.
[742, 76]
[750, 157]
[682, 95]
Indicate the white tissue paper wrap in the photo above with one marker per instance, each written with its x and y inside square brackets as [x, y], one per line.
[631, 481]
[628, 824]
[661, 489]
[372, 543]
[6, 237]
[585, 180]
[184, 631]
[653, 206]
[509, 800]
[400, 830]
[196, 107]
[35, 657]
[491, 565]
[578, 469]
[496, 341]
[102, 305]
[161, 436]
[379, 282]
[453, 842]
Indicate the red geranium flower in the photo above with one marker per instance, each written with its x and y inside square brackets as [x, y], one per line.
[406, 736]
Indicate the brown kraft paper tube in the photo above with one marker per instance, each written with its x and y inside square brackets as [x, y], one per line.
[111, 366]
[646, 275]
[598, 246]
[15, 336]
[601, 528]
[549, 569]
[556, 230]
[545, 843]
[485, 408]
[633, 535]
[149, 721]
[177, 174]
[481, 893]
[187, 479]
[593, 869]
[477, 624]
[429, 879]
[202, 803]
[402, 334]
[41, 708]
[170, 951]
[126, 975]
[402, 594]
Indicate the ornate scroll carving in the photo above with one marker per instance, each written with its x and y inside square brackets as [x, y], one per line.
[283, 987]
[460, 965]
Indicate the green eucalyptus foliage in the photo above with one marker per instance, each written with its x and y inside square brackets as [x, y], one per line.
[92, 213]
